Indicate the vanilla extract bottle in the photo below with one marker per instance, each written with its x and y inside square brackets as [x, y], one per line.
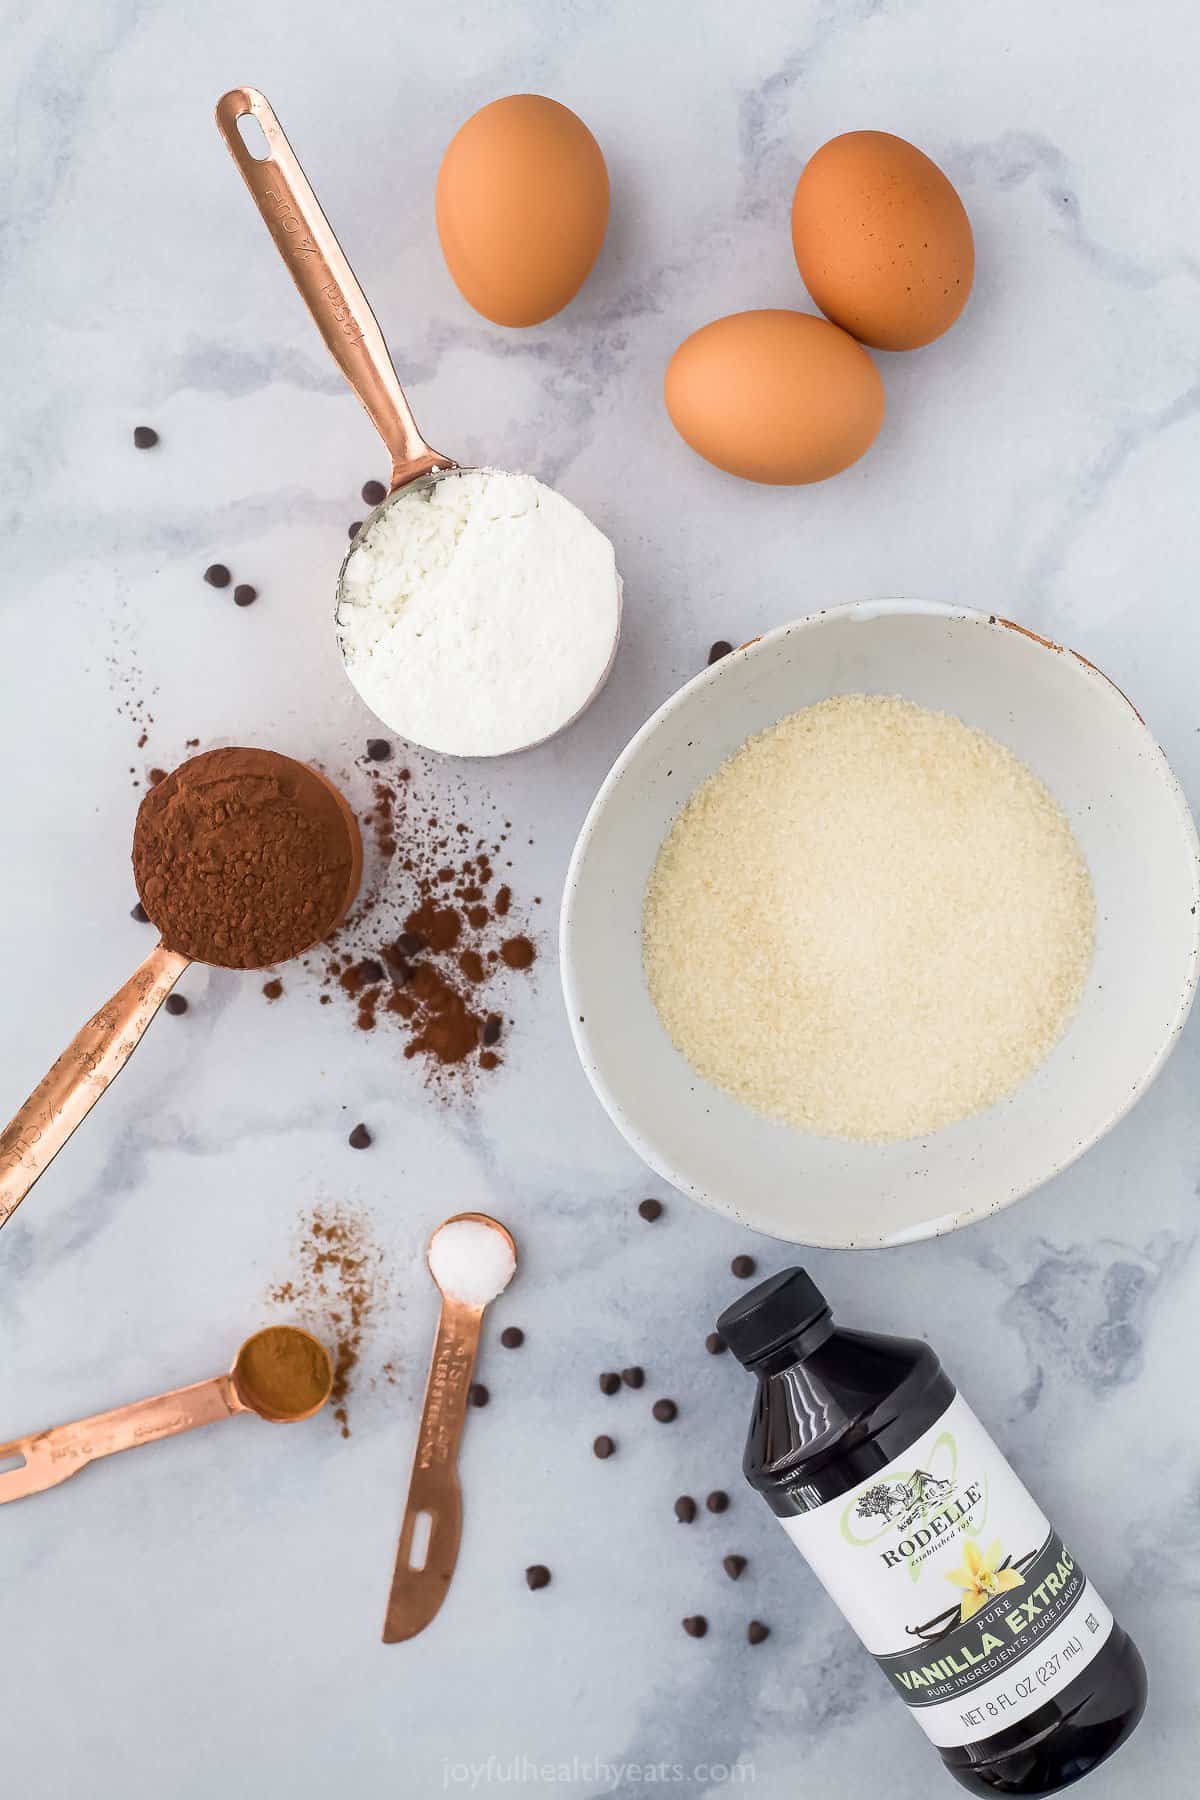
[973, 1606]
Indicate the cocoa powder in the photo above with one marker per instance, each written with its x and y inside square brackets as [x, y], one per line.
[434, 942]
[245, 858]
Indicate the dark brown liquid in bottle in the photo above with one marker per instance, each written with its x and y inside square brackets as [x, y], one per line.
[833, 1408]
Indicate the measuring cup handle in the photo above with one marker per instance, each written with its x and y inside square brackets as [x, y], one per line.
[55, 1455]
[418, 1590]
[327, 283]
[65, 1096]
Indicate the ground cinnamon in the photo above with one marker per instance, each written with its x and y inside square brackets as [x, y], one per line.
[245, 858]
[282, 1373]
[337, 1286]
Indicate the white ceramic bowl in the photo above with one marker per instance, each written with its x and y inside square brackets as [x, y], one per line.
[1080, 734]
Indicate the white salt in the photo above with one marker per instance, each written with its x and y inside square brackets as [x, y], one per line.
[472, 1261]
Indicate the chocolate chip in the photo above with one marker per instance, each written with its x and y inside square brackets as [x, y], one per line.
[273, 989]
[477, 1394]
[714, 1343]
[718, 650]
[757, 1632]
[650, 1210]
[609, 1382]
[492, 1027]
[664, 1411]
[244, 594]
[537, 1575]
[717, 1501]
[360, 1138]
[733, 1566]
[743, 1266]
[410, 943]
[685, 1509]
[378, 749]
[512, 1337]
[217, 575]
[145, 437]
[176, 1005]
[633, 1378]
[603, 1447]
[373, 492]
[139, 913]
[353, 529]
[696, 1625]
[369, 971]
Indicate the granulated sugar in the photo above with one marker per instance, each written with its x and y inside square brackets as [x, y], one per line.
[872, 921]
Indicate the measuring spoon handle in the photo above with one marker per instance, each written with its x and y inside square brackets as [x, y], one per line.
[95, 1055]
[419, 1588]
[327, 283]
[53, 1456]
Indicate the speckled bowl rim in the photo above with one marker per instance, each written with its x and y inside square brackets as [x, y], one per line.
[862, 612]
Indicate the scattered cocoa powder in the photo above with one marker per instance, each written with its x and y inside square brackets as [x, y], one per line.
[126, 679]
[335, 1291]
[430, 947]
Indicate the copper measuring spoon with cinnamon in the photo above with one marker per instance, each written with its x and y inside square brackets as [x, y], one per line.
[283, 1374]
[98, 1053]
[432, 1527]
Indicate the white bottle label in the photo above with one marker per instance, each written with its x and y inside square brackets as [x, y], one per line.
[956, 1582]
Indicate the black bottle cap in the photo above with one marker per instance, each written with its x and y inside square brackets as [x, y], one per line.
[771, 1313]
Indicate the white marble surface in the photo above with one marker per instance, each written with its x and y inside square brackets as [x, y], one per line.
[203, 1618]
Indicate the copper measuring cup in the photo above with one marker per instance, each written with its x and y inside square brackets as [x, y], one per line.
[50, 1457]
[424, 1568]
[343, 316]
[97, 1054]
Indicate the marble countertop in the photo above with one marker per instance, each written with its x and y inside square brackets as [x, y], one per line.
[204, 1617]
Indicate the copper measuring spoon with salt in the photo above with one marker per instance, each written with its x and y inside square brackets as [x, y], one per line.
[252, 1385]
[98, 1053]
[343, 316]
[432, 1528]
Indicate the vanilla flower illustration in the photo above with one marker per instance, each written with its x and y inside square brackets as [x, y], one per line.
[981, 1578]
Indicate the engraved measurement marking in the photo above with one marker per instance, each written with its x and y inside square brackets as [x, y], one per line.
[342, 313]
[446, 1382]
[301, 244]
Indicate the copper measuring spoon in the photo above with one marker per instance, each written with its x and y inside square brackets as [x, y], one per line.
[97, 1054]
[339, 308]
[432, 1528]
[50, 1457]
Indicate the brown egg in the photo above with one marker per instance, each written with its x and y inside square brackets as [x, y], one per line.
[774, 396]
[882, 240]
[522, 208]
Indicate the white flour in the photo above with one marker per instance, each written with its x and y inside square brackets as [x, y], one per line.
[479, 614]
